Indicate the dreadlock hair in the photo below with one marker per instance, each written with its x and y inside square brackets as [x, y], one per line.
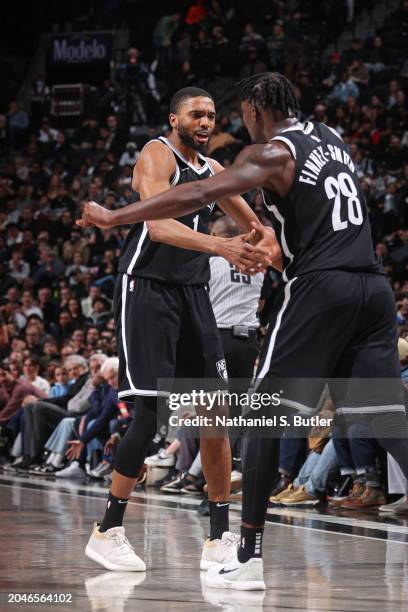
[185, 93]
[271, 91]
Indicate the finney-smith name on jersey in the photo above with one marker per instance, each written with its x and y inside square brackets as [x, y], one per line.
[317, 160]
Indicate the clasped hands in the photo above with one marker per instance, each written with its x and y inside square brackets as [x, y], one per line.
[252, 252]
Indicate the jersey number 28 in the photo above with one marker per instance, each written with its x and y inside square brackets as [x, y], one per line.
[341, 188]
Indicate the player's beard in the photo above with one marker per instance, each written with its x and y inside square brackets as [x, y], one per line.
[189, 141]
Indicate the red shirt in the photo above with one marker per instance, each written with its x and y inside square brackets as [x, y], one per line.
[11, 398]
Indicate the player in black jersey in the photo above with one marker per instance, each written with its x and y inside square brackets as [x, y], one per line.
[165, 324]
[336, 316]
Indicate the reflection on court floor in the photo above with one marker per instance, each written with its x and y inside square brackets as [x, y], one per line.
[313, 562]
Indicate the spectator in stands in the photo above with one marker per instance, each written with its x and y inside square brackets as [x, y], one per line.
[101, 311]
[359, 73]
[130, 156]
[343, 90]
[13, 392]
[163, 36]
[252, 64]
[402, 312]
[403, 356]
[95, 423]
[220, 140]
[60, 386]
[275, 44]
[31, 369]
[251, 40]
[138, 86]
[47, 136]
[19, 269]
[224, 55]
[375, 56]
[42, 417]
[17, 124]
[196, 13]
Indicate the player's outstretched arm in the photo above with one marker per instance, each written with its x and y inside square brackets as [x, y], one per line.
[151, 177]
[254, 166]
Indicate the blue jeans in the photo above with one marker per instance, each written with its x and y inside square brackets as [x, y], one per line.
[65, 430]
[316, 469]
[94, 444]
[355, 451]
[292, 453]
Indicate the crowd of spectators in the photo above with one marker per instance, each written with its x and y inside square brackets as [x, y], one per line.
[56, 281]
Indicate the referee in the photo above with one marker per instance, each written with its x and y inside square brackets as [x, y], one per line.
[235, 298]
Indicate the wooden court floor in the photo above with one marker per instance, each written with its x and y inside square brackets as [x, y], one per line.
[312, 562]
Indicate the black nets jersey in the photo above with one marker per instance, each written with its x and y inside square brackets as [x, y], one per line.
[322, 222]
[157, 261]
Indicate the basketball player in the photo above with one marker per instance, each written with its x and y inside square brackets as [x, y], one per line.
[165, 324]
[336, 316]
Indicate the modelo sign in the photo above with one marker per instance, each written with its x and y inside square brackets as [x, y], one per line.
[83, 51]
[82, 57]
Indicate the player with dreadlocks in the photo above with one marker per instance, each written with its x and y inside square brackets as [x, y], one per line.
[335, 317]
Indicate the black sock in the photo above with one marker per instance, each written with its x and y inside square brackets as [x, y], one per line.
[115, 510]
[219, 519]
[251, 543]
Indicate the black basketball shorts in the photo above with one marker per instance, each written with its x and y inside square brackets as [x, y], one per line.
[333, 325]
[165, 331]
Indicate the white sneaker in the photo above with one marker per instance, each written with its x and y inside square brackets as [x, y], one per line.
[112, 550]
[161, 459]
[101, 470]
[71, 471]
[236, 481]
[239, 576]
[218, 552]
[401, 505]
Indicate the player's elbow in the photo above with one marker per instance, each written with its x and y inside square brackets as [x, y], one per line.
[155, 231]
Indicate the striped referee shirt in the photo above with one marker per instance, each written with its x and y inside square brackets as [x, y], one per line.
[234, 296]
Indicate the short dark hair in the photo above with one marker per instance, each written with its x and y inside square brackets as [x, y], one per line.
[35, 361]
[229, 228]
[271, 91]
[185, 93]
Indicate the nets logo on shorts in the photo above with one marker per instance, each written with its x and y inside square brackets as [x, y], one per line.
[132, 285]
[222, 370]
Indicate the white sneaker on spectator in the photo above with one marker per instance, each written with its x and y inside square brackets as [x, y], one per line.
[175, 485]
[101, 470]
[236, 481]
[401, 505]
[112, 550]
[246, 576]
[73, 470]
[12, 465]
[161, 459]
[217, 552]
